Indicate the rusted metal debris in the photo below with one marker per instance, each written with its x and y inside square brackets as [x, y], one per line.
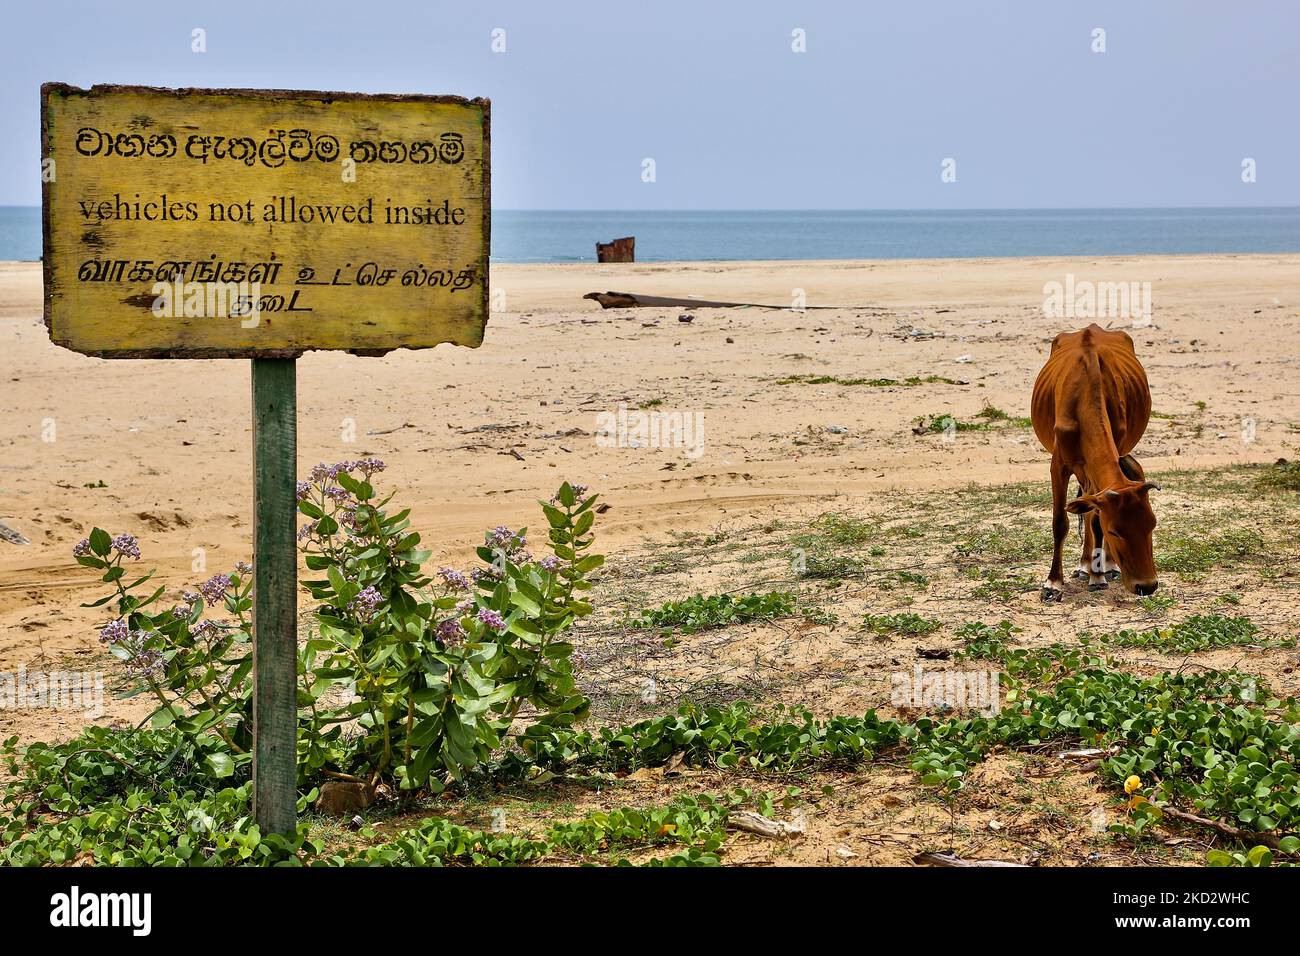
[617, 250]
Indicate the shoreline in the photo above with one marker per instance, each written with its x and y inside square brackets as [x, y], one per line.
[605, 266]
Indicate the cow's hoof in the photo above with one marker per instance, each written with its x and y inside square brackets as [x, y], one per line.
[1112, 575]
[1078, 574]
[1051, 594]
[1098, 586]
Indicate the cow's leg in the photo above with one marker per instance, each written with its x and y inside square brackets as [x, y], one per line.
[1094, 552]
[1111, 566]
[1084, 571]
[1054, 586]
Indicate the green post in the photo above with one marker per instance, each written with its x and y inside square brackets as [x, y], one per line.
[275, 595]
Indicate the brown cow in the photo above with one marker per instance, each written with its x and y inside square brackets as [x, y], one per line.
[1091, 404]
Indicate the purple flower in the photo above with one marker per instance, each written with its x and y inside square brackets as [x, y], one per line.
[215, 588]
[323, 473]
[81, 549]
[207, 630]
[450, 632]
[114, 632]
[303, 490]
[145, 662]
[503, 537]
[465, 606]
[306, 530]
[189, 597]
[364, 604]
[126, 545]
[335, 493]
[454, 579]
[550, 563]
[368, 466]
[243, 567]
[491, 619]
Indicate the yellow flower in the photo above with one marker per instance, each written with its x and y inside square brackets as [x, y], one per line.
[1132, 783]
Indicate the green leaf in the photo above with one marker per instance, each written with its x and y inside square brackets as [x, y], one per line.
[101, 542]
[219, 764]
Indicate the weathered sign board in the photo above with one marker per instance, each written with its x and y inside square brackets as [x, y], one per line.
[262, 223]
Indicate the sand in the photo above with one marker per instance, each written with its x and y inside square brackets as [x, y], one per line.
[169, 440]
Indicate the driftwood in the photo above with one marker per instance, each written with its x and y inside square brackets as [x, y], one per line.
[1227, 829]
[617, 250]
[752, 822]
[13, 537]
[628, 300]
[1088, 754]
[947, 859]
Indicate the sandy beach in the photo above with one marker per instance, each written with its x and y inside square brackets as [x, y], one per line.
[473, 437]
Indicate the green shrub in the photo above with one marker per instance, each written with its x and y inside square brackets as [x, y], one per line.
[407, 678]
[700, 613]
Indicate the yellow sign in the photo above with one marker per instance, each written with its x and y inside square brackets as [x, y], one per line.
[262, 223]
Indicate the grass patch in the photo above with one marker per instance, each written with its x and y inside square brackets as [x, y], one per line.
[1014, 542]
[991, 413]
[1196, 552]
[907, 623]
[990, 416]
[700, 613]
[911, 382]
[829, 566]
[1283, 475]
[837, 529]
[1156, 604]
[947, 423]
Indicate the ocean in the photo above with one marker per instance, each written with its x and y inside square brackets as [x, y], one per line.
[560, 236]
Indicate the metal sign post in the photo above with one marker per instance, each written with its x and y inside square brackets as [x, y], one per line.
[275, 590]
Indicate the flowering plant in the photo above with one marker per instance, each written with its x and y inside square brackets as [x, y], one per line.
[436, 668]
[406, 677]
[195, 664]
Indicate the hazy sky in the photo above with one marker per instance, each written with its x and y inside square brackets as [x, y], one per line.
[733, 118]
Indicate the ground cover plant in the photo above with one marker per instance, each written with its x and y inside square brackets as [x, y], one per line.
[475, 708]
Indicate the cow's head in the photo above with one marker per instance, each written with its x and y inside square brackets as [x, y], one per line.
[1126, 524]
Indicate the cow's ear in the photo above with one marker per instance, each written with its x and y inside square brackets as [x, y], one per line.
[1080, 506]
